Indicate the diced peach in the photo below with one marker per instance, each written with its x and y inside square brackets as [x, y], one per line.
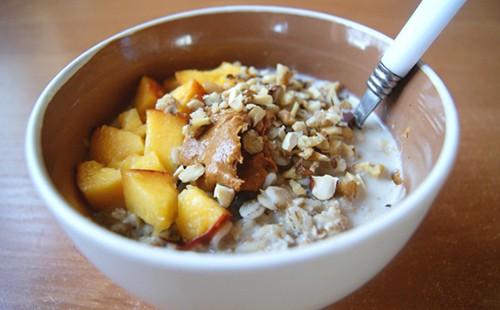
[217, 75]
[141, 131]
[199, 215]
[187, 91]
[151, 195]
[170, 84]
[148, 161]
[147, 93]
[130, 120]
[101, 186]
[111, 144]
[163, 135]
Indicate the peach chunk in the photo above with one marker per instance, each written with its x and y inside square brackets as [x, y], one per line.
[130, 120]
[187, 91]
[170, 84]
[217, 75]
[109, 144]
[141, 131]
[199, 215]
[152, 196]
[147, 93]
[101, 186]
[163, 135]
[148, 161]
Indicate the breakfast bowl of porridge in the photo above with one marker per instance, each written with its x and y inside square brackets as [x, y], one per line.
[204, 157]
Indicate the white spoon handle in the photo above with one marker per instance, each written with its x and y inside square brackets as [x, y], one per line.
[425, 24]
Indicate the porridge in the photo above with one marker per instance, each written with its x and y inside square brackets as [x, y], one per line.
[237, 159]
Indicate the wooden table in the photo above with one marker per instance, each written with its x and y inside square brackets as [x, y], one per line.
[453, 261]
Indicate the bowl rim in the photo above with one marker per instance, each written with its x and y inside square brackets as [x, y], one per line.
[165, 258]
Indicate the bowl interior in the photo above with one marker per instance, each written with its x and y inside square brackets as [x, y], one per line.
[325, 49]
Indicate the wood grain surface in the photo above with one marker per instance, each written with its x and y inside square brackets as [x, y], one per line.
[453, 260]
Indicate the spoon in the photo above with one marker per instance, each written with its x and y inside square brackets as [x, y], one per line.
[425, 24]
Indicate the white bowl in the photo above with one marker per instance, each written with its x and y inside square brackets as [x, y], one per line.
[309, 277]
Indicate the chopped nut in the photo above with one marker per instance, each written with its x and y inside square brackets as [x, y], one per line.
[346, 105]
[214, 108]
[316, 120]
[347, 133]
[348, 151]
[348, 186]
[300, 126]
[375, 170]
[211, 98]
[294, 110]
[283, 74]
[273, 133]
[332, 90]
[210, 87]
[287, 99]
[274, 197]
[309, 142]
[332, 131]
[256, 114]
[290, 141]
[167, 104]
[252, 71]
[298, 85]
[324, 146]
[191, 173]
[396, 177]
[324, 186]
[297, 189]
[282, 132]
[269, 78]
[270, 179]
[314, 91]
[335, 147]
[316, 140]
[178, 171]
[302, 171]
[196, 124]
[251, 210]
[317, 156]
[252, 142]
[263, 100]
[286, 117]
[333, 117]
[236, 103]
[339, 164]
[306, 152]
[290, 174]
[194, 104]
[198, 114]
[224, 195]
[314, 105]
[276, 91]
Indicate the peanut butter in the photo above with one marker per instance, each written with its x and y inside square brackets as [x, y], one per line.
[219, 150]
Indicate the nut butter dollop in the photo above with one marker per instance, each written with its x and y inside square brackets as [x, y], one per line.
[219, 150]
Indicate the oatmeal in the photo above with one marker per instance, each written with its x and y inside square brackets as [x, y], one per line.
[237, 159]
